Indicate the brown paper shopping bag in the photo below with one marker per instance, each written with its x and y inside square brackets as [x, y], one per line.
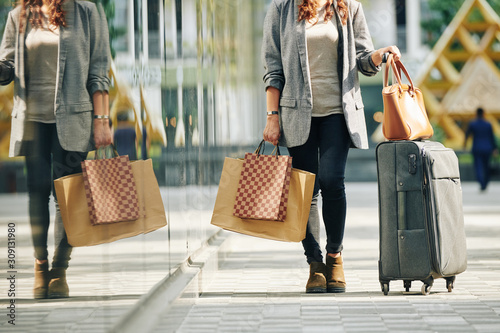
[264, 186]
[75, 214]
[293, 229]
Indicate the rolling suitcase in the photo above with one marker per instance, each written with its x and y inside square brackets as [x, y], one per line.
[422, 233]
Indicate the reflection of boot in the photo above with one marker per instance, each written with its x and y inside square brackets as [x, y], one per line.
[317, 280]
[58, 287]
[41, 280]
[335, 275]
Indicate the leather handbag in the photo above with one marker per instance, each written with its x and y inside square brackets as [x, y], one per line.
[405, 117]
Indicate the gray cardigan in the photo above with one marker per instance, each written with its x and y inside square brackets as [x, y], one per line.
[284, 55]
[83, 66]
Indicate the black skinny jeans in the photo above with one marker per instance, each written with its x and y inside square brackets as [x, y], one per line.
[46, 160]
[330, 138]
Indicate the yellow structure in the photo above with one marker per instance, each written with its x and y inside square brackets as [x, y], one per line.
[122, 101]
[462, 72]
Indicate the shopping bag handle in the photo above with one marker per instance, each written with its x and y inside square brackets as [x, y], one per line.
[262, 146]
[105, 152]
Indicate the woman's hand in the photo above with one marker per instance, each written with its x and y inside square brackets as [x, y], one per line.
[377, 56]
[102, 133]
[272, 130]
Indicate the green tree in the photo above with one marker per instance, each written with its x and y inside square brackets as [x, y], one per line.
[441, 13]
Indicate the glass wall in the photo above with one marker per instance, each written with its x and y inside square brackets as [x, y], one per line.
[187, 76]
[192, 72]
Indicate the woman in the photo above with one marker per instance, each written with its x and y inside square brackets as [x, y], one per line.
[57, 54]
[312, 52]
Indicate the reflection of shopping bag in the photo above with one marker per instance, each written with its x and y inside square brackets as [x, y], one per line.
[75, 214]
[293, 229]
[263, 186]
[110, 189]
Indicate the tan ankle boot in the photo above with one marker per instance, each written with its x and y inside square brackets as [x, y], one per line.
[317, 279]
[335, 275]
[58, 287]
[41, 280]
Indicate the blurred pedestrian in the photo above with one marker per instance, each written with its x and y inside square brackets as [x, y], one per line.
[483, 146]
[312, 53]
[57, 54]
[125, 139]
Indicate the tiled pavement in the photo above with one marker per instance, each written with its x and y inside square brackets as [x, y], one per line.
[106, 281]
[259, 286]
[103, 286]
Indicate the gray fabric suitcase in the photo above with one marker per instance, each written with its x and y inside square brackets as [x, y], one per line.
[422, 233]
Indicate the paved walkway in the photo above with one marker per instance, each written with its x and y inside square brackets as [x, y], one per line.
[106, 281]
[260, 285]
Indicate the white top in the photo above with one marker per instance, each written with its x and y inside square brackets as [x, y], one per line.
[42, 51]
[322, 43]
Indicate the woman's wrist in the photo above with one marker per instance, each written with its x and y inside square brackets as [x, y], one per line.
[101, 122]
[377, 57]
[101, 116]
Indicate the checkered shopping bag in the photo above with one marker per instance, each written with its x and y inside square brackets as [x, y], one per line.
[264, 186]
[110, 190]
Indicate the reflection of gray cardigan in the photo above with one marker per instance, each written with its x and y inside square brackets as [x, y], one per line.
[284, 55]
[83, 67]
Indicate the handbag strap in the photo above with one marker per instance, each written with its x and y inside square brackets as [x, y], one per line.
[388, 64]
[397, 67]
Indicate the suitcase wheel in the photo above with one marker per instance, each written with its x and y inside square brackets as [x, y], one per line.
[407, 285]
[450, 283]
[426, 289]
[385, 287]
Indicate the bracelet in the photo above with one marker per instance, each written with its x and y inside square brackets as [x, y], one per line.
[270, 113]
[101, 116]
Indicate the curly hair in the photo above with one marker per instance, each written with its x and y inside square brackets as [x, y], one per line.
[307, 10]
[56, 14]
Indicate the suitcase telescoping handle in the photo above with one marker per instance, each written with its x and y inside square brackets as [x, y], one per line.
[385, 56]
